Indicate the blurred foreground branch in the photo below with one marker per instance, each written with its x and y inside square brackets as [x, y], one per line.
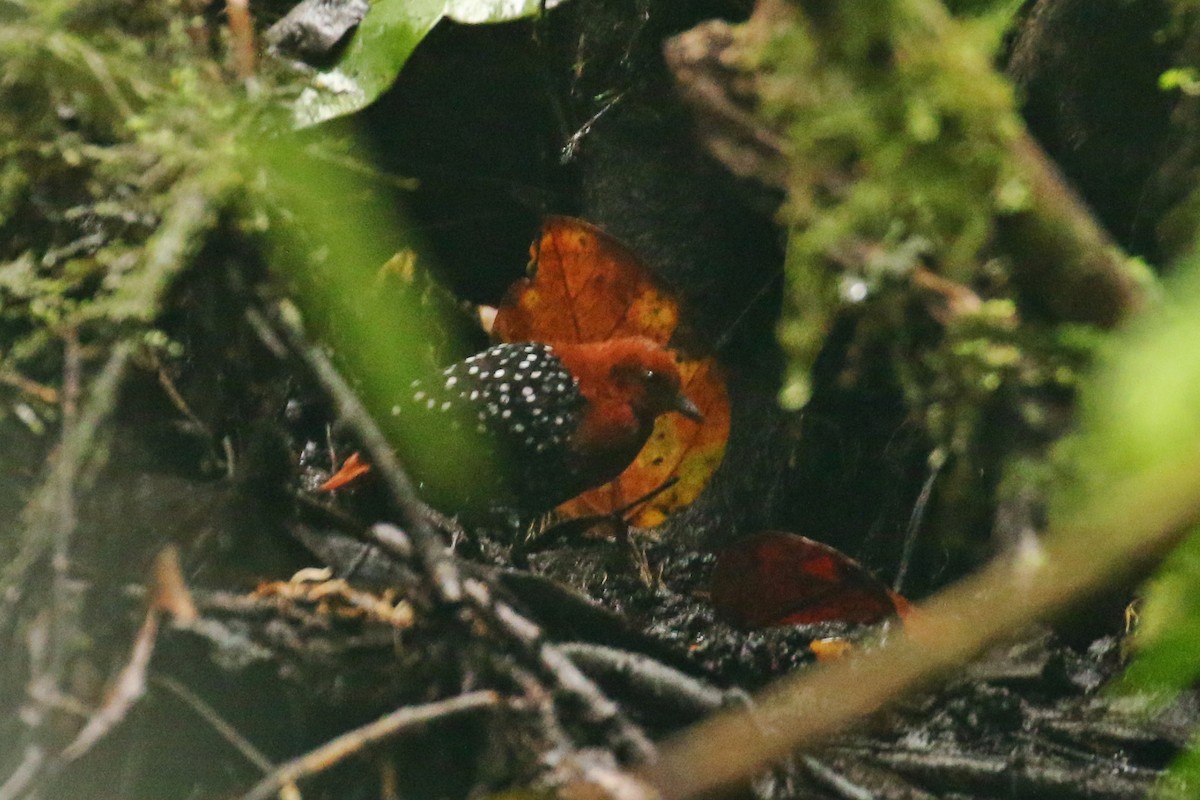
[1123, 532]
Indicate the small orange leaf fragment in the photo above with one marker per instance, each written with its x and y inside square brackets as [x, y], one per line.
[830, 648]
[168, 588]
[352, 468]
[587, 286]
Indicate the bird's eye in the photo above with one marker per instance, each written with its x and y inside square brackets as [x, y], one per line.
[658, 382]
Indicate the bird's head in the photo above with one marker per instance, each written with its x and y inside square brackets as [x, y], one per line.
[633, 370]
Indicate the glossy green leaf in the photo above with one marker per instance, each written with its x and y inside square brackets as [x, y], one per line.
[382, 44]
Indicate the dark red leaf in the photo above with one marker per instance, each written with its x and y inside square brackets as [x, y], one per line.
[773, 578]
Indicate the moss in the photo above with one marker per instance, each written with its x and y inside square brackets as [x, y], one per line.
[905, 162]
[899, 132]
[100, 128]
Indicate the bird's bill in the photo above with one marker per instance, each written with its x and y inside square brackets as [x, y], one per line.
[684, 405]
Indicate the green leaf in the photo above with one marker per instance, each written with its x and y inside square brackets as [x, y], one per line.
[1168, 633]
[1140, 413]
[335, 245]
[382, 44]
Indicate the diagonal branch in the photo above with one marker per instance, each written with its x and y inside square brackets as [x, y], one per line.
[401, 721]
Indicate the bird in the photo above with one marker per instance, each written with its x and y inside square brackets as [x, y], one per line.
[557, 419]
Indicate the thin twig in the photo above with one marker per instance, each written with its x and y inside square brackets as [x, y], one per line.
[192, 211]
[18, 781]
[355, 742]
[827, 777]
[651, 680]
[175, 396]
[215, 721]
[47, 394]
[1061, 254]
[74, 457]
[542, 703]
[1030, 775]
[361, 168]
[937, 461]
[63, 520]
[431, 550]
[128, 688]
[241, 32]
[630, 743]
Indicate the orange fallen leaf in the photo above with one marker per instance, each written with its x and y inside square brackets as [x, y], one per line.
[830, 648]
[773, 579]
[587, 286]
[352, 468]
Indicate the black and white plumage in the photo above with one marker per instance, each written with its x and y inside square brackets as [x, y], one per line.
[550, 422]
[525, 406]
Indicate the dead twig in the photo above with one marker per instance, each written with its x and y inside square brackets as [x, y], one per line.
[76, 455]
[651, 682]
[168, 588]
[829, 778]
[355, 742]
[440, 566]
[1060, 254]
[628, 741]
[191, 212]
[25, 773]
[430, 550]
[128, 688]
[241, 32]
[63, 520]
[1003, 775]
[215, 721]
[167, 595]
[47, 394]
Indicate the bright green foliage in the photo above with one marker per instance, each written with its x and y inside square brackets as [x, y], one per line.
[1005, 9]
[1138, 417]
[1140, 414]
[382, 44]
[1168, 633]
[334, 242]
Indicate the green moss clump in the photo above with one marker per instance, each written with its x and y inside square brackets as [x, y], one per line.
[899, 132]
[119, 139]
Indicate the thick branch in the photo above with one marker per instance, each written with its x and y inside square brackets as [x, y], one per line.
[1123, 532]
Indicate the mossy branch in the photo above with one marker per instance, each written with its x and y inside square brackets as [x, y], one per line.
[749, 90]
[1061, 256]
